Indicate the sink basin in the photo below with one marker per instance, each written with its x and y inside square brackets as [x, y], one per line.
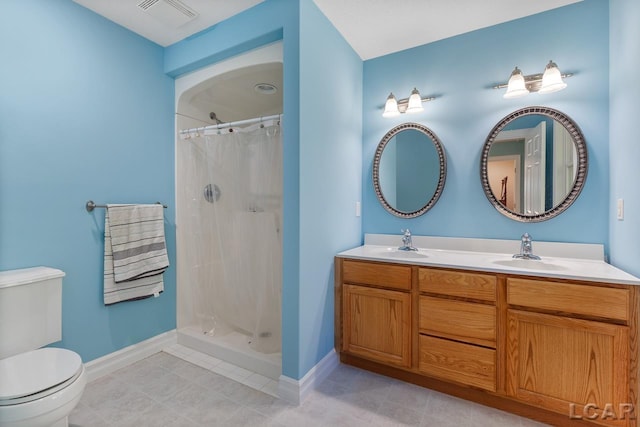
[530, 264]
[396, 253]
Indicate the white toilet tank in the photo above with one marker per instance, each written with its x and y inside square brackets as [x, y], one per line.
[30, 309]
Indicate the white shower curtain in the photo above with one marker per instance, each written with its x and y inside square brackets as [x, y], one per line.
[233, 244]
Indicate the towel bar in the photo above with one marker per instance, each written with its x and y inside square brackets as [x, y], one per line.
[91, 205]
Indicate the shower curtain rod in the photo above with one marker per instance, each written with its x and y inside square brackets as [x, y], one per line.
[202, 130]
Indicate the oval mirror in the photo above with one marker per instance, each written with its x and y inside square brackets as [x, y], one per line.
[409, 170]
[534, 164]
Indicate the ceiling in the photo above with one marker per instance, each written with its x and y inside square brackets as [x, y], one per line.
[372, 27]
[379, 27]
[167, 21]
[233, 95]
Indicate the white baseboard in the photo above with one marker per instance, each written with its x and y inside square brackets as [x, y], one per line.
[119, 359]
[295, 391]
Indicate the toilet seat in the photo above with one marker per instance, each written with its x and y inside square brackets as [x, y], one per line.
[33, 375]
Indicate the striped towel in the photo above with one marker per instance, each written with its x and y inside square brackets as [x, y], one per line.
[135, 254]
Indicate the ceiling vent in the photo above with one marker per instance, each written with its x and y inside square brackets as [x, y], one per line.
[170, 12]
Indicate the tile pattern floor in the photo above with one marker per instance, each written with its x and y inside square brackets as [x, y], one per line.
[165, 390]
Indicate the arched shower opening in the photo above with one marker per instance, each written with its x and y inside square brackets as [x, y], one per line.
[229, 210]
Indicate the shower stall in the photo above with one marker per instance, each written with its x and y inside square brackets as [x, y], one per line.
[229, 210]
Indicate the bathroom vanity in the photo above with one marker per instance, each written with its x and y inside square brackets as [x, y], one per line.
[554, 340]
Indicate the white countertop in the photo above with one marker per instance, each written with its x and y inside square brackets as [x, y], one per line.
[496, 256]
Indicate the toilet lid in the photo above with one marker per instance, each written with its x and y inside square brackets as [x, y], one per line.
[32, 372]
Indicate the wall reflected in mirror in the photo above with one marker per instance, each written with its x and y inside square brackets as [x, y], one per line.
[409, 170]
[534, 161]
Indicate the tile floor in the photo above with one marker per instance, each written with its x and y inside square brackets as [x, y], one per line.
[167, 390]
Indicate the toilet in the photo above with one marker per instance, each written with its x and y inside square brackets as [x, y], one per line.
[39, 387]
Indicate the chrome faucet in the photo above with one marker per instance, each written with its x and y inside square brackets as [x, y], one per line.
[526, 248]
[407, 245]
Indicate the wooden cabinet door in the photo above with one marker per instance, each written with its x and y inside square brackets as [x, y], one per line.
[570, 366]
[377, 324]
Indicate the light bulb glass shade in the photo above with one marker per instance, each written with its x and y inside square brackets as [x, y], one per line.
[415, 102]
[516, 86]
[552, 79]
[391, 107]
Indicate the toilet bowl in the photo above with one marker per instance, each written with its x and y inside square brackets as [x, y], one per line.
[40, 388]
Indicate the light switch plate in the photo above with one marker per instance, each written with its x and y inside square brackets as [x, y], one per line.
[620, 209]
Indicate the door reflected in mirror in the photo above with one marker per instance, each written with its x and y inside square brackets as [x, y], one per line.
[531, 166]
[409, 170]
[534, 164]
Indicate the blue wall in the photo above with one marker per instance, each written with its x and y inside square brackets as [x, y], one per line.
[624, 148]
[247, 30]
[322, 138]
[460, 71]
[330, 170]
[88, 98]
[86, 112]
[83, 97]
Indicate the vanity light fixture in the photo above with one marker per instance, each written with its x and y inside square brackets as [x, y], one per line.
[517, 86]
[413, 104]
[391, 107]
[547, 82]
[552, 79]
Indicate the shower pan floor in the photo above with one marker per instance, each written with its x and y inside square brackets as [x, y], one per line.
[232, 348]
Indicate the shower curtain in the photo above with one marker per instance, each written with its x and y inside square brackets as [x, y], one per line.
[232, 199]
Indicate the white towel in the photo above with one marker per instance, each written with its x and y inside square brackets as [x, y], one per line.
[135, 253]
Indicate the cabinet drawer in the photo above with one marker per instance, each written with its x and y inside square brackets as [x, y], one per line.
[462, 321]
[368, 273]
[595, 301]
[454, 361]
[458, 284]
